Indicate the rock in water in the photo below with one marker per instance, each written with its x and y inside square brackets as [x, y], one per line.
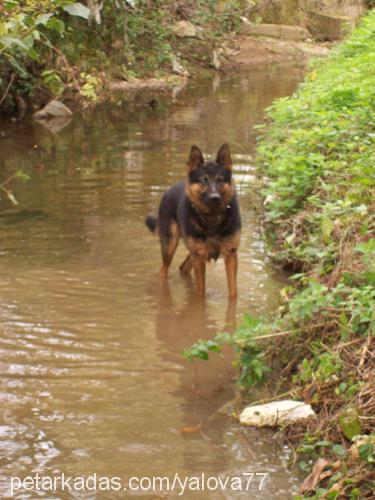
[53, 109]
[55, 124]
[216, 61]
[177, 67]
[277, 413]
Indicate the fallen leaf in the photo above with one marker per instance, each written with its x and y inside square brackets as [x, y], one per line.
[313, 478]
[188, 430]
[336, 488]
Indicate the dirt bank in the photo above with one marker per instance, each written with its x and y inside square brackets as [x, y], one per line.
[237, 53]
[242, 51]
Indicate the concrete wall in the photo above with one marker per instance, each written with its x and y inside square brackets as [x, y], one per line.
[325, 19]
[293, 11]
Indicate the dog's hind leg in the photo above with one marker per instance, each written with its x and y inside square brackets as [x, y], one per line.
[187, 265]
[169, 245]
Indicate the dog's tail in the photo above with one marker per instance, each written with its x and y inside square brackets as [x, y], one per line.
[151, 222]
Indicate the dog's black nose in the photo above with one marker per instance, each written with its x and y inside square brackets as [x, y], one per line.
[215, 197]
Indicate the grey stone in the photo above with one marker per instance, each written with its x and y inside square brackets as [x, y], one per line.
[53, 109]
[186, 29]
[293, 33]
[281, 31]
[216, 61]
[178, 68]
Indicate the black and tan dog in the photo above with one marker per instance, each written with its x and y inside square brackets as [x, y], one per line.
[204, 211]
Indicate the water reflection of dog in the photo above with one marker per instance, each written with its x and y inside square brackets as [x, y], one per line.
[205, 386]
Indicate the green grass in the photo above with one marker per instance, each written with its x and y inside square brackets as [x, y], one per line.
[319, 152]
[318, 162]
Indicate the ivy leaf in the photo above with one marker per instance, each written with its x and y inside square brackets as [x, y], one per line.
[289, 239]
[77, 9]
[349, 423]
[367, 452]
[7, 41]
[33, 54]
[10, 4]
[56, 25]
[339, 450]
[367, 248]
[327, 228]
[43, 19]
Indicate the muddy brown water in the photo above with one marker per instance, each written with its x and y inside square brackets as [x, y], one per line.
[92, 377]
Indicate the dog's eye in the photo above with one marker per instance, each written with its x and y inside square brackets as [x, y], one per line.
[220, 180]
[204, 180]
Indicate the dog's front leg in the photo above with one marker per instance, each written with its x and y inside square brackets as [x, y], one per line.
[231, 265]
[199, 266]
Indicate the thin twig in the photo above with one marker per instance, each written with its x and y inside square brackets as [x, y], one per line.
[7, 89]
[289, 332]
[2, 184]
[279, 334]
[9, 195]
[268, 400]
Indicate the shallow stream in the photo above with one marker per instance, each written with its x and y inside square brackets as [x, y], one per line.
[92, 377]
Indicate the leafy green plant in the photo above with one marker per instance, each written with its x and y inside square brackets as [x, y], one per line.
[28, 31]
[52, 80]
[320, 367]
[367, 452]
[250, 361]
[22, 27]
[90, 87]
[201, 349]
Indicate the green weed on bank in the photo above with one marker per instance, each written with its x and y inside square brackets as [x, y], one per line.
[319, 155]
[317, 159]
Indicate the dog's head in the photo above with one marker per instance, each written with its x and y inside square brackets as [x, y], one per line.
[210, 186]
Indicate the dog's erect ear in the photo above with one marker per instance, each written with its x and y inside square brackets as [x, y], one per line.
[195, 159]
[223, 157]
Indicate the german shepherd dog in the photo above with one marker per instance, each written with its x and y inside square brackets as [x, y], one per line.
[204, 211]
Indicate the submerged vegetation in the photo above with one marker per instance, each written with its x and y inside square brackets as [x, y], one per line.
[318, 161]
